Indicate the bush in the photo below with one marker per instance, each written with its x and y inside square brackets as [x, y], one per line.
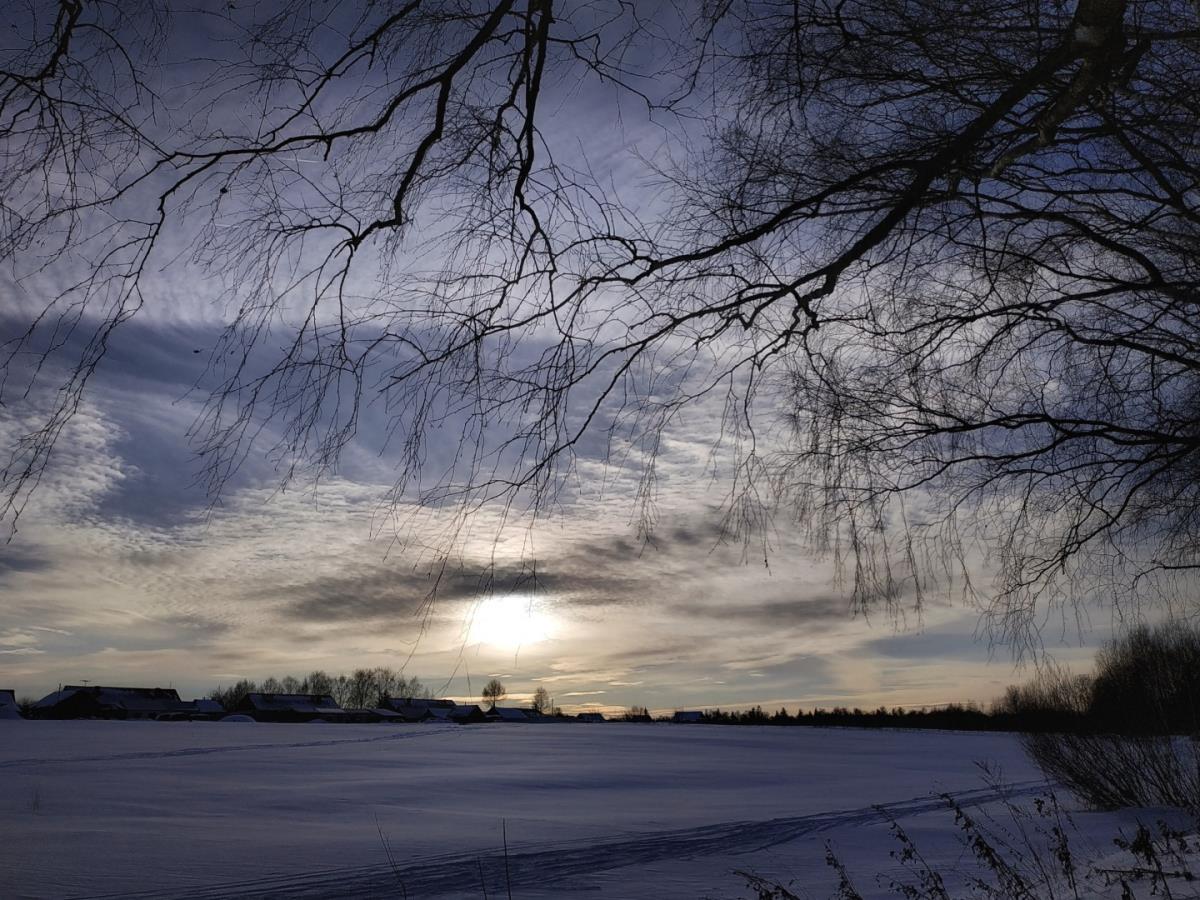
[1054, 701]
[1148, 682]
[1111, 771]
[1020, 852]
[1118, 738]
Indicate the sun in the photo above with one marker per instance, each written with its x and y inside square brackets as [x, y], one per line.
[511, 621]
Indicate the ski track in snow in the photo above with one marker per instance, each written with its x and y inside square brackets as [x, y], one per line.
[563, 861]
[41, 762]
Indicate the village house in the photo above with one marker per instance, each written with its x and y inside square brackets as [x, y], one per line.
[466, 714]
[8, 706]
[422, 709]
[200, 710]
[590, 717]
[101, 702]
[263, 707]
[389, 716]
[418, 703]
[415, 713]
[508, 714]
[688, 716]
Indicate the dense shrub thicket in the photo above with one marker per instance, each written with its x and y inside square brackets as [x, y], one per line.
[1127, 735]
[1146, 682]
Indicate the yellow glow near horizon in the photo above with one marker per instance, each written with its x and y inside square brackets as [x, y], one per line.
[511, 621]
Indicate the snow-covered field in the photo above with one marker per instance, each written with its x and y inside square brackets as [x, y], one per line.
[214, 810]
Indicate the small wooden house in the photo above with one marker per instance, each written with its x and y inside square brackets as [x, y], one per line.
[8, 706]
[265, 707]
[507, 714]
[417, 703]
[414, 713]
[688, 716]
[590, 717]
[466, 714]
[100, 702]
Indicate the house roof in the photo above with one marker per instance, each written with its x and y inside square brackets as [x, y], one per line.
[418, 702]
[508, 714]
[415, 713]
[8, 705]
[386, 713]
[322, 704]
[127, 698]
[54, 698]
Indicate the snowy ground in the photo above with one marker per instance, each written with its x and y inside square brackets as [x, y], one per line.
[211, 810]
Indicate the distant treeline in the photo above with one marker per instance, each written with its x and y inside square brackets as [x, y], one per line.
[966, 717]
[1146, 682]
[361, 689]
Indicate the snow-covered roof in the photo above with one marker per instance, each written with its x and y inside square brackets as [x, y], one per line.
[137, 699]
[205, 705]
[418, 703]
[54, 698]
[508, 714]
[417, 713]
[8, 706]
[126, 698]
[322, 704]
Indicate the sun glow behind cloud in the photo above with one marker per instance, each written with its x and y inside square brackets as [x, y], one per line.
[509, 622]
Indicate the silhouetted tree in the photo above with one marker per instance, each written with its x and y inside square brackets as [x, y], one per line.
[494, 692]
[361, 689]
[542, 702]
[954, 240]
[318, 682]
[230, 697]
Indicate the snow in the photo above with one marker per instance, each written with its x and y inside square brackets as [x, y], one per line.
[190, 809]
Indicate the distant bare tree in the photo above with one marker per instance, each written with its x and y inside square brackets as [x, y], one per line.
[341, 689]
[542, 702]
[494, 692]
[317, 682]
[362, 692]
[230, 697]
[955, 241]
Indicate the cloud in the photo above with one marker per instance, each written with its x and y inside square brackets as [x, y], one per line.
[129, 573]
[17, 638]
[18, 560]
[792, 613]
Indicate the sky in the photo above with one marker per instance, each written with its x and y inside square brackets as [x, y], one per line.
[126, 570]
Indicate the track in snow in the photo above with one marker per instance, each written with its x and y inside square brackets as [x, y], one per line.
[564, 861]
